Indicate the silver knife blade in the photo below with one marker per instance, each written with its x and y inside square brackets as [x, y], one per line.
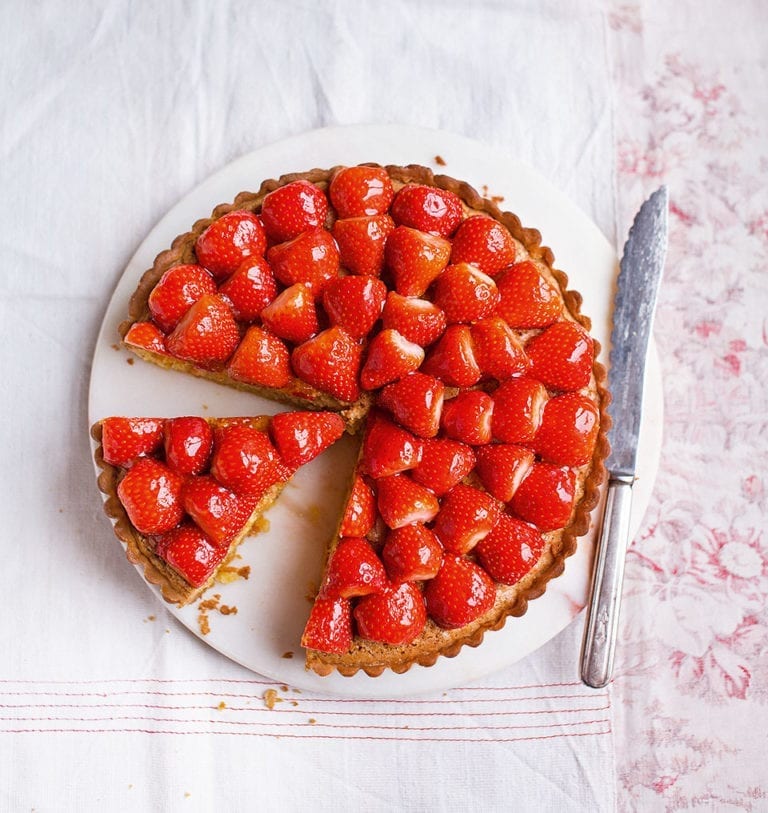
[634, 307]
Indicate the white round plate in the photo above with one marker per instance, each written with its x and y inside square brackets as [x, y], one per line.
[285, 561]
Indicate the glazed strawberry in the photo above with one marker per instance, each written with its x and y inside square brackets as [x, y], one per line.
[354, 303]
[329, 628]
[302, 436]
[416, 401]
[420, 321]
[459, 594]
[175, 293]
[443, 464]
[517, 408]
[562, 356]
[428, 209]
[189, 551]
[395, 617]
[223, 246]
[452, 359]
[292, 315]
[291, 209]
[501, 468]
[411, 554]
[358, 191]
[330, 362]
[465, 294]
[188, 444]
[207, 333]
[146, 335]
[485, 243]
[466, 516]
[311, 258]
[151, 495]
[250, 289]
[360, 511]
[245, 460]
[388, 449]
[217, 510]
[467, 417]
[390, 357]
[125, 439]
[403, 502]
[527, 298]
[545, 497]
[354, 569]
[362, 242]
[261, 358]
[510, 550]
[568, 430]
[415, 259]
[498, 351]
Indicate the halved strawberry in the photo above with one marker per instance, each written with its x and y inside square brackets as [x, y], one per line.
[412, 553]
[443, 464]
[216, 509]
[311, 258]
[468, 416]
[329, 627]
[517, 408]
[485, 243]
[358, 191]
[291, 209]
[452, 358]
[545, 497]
[427, 208]
[459, 594]
[416, 401]
[360, 511]
[362, 242]
[465, 293]
[207, 334]
[151, 495]
[190, 552]
[419, 320]
[292, 315]
[396, 616]
[175, 293]
[125, 439]
[188, 444]
[498, 351]
[250, 289]
[302, 436]
[354, 303]
[527, 298]
[388, 449]
[261, 358]
[146, 335]
[403, 502]
[568, 430]
[501, 468]
[390, 357]
[228, 241]
[466, 516]
[510, 550]
[562, 356]
[415, 259]
[330, 362]
[354, 569]
[245, 460]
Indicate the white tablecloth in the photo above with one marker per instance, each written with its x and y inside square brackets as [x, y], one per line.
[111, 112]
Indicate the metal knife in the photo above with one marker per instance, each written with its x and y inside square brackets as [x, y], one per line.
[634, 306]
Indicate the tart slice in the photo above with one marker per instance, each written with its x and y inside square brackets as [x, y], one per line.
[184, 492]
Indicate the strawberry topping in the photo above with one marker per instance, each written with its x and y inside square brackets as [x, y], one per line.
[146, 335]
[419, 320]
[412, 553]
[360, 512]
[415, 259]
[498, 351]
[151, 495]
[125, 439]
[362, 242]
[396, 616]
[175, 293]
[427, 208]
[329, 627]
[416, 401]
[189, 551]
[485, 243]
[358, 191]
[250, 289]
[465, 293]
[545, 496]
[188, 444]
[443, 464]
[330, 361]
[452, 359]
[354, 569]
[207, 333]
[291, 209]
[510, 550]
[302, 436]
[311, 258]
[261, 358]
[518, 404]
[501, 468]
[245, 460]
[568, 430]
[354, 303]
[216, 509]
[388, 449]
[403, 502]
[562, 356]
[390, 357]
[468, 416]
[527, 298]
[466, 516]
[292, 315]
[459, 594]
[228, 241]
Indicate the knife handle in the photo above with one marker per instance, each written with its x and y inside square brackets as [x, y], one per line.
[603, 613]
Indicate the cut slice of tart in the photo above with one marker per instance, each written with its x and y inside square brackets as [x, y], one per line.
[184, 492]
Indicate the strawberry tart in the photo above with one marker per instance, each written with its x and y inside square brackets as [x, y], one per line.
[412, 312]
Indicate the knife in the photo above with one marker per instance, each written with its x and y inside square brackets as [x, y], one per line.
[634, 306]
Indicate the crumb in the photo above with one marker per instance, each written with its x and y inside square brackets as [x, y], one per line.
[205, 406]
[203, 624]
[227, 610]
[270, 698]
[297, 691]
[130, 360]
[187, 795]
[167, 630]
[116, 347]
[484, 190]
[61, 510]
[210, 603]
[287, 654]
[284, 688]
[312, 721]
[497, 199]
[130, 787]
[222, 705]
[314, 514]
[439, 160]
[203, 607]
[261, 526]
[229, 574]
[294, 702]
[149, 618]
